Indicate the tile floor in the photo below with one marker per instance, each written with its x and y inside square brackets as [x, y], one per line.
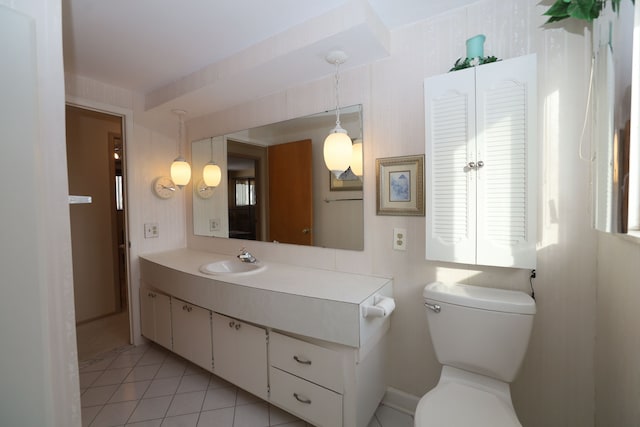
[148, 386]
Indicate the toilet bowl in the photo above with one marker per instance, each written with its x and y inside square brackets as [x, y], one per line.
[480, 336]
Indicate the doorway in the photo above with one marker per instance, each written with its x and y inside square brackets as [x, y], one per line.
[95, 163]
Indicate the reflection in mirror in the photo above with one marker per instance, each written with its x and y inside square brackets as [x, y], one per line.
[611, 118]
[276, 187]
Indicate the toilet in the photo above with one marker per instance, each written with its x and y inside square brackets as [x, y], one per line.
[480, 336]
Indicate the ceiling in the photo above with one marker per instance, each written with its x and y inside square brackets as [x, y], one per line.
[205, 55]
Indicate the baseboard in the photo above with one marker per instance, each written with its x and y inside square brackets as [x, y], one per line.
[400, 401]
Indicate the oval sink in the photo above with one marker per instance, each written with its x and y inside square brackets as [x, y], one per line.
[231, 266]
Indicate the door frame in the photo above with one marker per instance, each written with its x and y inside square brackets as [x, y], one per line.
[126, 117]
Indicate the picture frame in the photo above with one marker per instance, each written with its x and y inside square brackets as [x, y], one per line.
[400, 186]
[348, 181]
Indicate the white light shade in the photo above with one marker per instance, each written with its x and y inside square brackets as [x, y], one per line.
[337, 151]
[212, 175]
[180, 172]
[356, 157]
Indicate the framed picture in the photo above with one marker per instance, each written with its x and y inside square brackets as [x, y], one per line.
[348, 181]
[400, 186]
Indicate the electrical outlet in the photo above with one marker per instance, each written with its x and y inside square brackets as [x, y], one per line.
[151, 230]
[214, 224]
[400, 239]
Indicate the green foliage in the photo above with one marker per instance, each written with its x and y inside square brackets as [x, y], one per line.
[461, 63]
[587, 10]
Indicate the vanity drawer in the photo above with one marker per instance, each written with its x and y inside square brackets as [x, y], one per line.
[316, 404]
[317, 364]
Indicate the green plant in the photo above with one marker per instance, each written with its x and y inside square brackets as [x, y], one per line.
[587, 10]
[461, 63]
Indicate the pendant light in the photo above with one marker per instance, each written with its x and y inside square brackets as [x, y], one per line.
[212, 175]
[180, 169]
[337, 146]
[356, 158]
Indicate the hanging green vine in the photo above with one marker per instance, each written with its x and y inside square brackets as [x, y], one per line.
[587, 10]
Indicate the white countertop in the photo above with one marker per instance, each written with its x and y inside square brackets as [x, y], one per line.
[289, 279]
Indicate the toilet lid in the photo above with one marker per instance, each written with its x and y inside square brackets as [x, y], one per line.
[458, 405]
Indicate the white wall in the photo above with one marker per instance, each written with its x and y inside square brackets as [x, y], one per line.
[38, 362]
[556, 385]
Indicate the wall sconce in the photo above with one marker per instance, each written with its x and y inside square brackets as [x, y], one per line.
[356, 157]
[337, 146]
[212, 175]
[180, 169]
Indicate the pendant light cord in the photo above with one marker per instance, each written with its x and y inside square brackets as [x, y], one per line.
[337, 93]
[179, 136]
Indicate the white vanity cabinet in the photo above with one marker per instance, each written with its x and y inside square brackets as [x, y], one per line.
[192, 333]
[240, 354]
[155, 316]
[306, 380]
[481, 152]
[292, 335]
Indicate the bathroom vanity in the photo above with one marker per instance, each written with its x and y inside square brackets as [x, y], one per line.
[294, 336]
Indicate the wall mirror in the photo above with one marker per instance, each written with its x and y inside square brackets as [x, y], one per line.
[275, 186]
[612, 77]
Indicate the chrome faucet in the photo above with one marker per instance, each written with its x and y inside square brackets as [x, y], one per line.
[245, 256]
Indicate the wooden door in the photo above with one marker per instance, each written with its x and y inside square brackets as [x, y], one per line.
[291, 193]
[90, 164]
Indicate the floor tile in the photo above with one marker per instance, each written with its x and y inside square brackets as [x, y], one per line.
[162, 387]
[150, 409]
[252, 415]
[88, 378]
[152, 357]
[277, 416]
[217, 418]
[88, 414]
[389, 417]
[189, 420]
[125, 360]
[171, 368]
[114, 414]
[175, 392]
[95, 396]
[130, 391]
[112, 376]
[197, 382]
[140, 373]
[217, 398]
[244, 398]
[150, 423]
[186, 403]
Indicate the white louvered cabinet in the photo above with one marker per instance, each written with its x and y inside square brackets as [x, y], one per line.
[481, 164]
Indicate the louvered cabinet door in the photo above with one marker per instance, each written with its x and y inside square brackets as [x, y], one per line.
[450, 182]
[506, 149]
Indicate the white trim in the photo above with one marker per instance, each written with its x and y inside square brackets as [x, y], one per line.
[127, 118]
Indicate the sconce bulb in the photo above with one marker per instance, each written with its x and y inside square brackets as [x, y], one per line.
[337, 151]
[180, 172]
[212, 175]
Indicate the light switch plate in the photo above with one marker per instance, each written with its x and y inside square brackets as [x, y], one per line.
[400, 239]
[151, 230]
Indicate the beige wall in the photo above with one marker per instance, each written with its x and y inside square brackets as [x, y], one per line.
[556, 385]
[618, 332]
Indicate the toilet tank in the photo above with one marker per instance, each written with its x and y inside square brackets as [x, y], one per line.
[481, 330]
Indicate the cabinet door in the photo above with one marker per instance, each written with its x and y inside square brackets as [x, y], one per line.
[506, 146]
[162, 312]
[192, 333]
[155, 316]
[240, 354]
[450, 182]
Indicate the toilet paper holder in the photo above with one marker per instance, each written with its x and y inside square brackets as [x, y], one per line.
[382, 307]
